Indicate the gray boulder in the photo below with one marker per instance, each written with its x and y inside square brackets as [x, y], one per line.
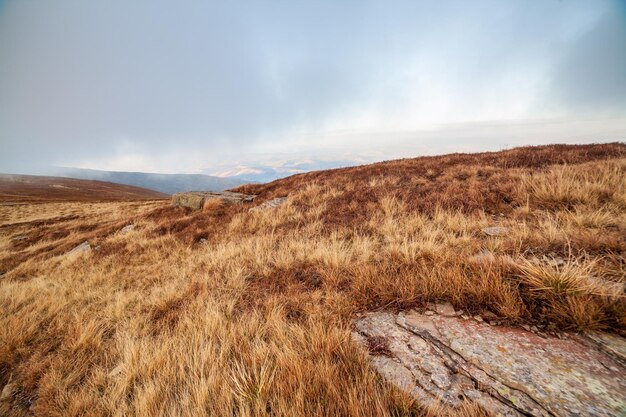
[82, 248]
[127, 228]
[196, 199]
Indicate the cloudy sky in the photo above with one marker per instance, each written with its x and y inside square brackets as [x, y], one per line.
[199, 86]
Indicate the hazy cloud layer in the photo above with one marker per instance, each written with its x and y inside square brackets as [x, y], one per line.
[191, 85]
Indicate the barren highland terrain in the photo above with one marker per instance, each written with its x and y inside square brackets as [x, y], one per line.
[305, 305]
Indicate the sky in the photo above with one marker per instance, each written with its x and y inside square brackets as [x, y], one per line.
[219, 87]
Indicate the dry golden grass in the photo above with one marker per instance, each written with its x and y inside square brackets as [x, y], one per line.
[255, 320]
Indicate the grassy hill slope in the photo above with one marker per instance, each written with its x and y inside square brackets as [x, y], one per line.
[33, 188]
[229, 311]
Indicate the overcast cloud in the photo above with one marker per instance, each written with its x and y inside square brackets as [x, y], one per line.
[196, 86]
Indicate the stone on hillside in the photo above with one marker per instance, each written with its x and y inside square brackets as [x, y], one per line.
[127, 228]
[610, 343]
[507, 371]
[196, 199]
[445, 309]
[496, 230]
[489, 315]
[271, 204]
[82, 248]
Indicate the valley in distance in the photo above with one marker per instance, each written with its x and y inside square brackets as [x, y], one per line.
[478, 284]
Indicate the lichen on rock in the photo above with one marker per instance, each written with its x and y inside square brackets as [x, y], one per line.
[508, 371]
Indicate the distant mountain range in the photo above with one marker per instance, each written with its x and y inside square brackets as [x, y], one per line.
[276, 170]
[220, 179]
[165, 183]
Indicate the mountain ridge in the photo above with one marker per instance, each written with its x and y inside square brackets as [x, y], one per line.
[164, 183]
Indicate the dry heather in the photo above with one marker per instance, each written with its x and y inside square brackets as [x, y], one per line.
[228, 311]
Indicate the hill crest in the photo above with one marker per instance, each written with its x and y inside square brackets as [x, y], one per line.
[35, 189]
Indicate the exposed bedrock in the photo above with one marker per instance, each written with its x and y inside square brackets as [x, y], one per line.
[508, 371]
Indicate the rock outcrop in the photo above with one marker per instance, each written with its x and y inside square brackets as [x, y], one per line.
[271, 204]
[128, 228]
[82, 248]
[508, 371]
[196, 199]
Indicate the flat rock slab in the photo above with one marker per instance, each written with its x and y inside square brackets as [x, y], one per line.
[270, 204]
[128, 228]
[496, 231]
[445, 309]
[82, 248]
[196, 199]
[506, 370]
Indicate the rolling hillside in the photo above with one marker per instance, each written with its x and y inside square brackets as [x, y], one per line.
[32, 188]
[141, 308]
[164, 183]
